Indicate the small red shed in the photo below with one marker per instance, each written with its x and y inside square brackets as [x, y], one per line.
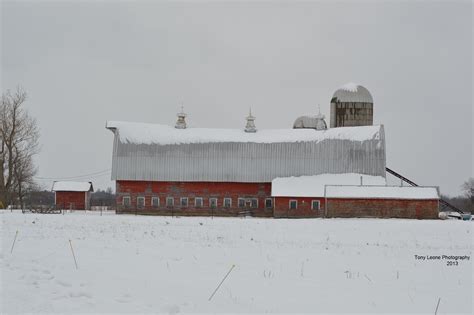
[72, 195]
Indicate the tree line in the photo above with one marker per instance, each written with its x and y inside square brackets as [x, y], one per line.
[465, 201]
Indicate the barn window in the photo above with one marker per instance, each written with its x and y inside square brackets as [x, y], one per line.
[155, 202]
[213, 202]
[315, 204]
[254, 203]
[269, 203]
[184, 201]
[241, 203]
[198, 202]
[126, 201]
[169, 201]
[293, 204]
[140, 202]
[227, 202]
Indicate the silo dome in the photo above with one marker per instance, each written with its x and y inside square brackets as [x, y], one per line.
[352, 93]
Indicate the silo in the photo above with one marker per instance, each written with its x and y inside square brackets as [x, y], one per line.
[351, 105]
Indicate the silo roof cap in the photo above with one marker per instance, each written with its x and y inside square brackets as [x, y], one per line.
[352, 92]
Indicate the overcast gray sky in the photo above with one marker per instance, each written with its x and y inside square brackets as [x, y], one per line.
[83, 63]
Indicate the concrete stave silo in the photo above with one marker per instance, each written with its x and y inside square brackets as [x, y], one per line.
[351, 105]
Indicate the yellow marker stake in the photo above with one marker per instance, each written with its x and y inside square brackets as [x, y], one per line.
[72, 250]
[14, 240]
[221, 282]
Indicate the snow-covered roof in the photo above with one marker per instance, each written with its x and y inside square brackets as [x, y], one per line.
[314, 122]
[382, 192]
[313, 186]
[352, 92]
[72, 186]
[145, 133]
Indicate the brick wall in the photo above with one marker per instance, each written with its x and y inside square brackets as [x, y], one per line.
[383, 208]
[71, 200]
[303, 210]
[191, 190]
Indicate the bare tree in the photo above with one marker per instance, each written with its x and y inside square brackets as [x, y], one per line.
[468, 191]
[19, 137]
[468, 188]
[24, 172]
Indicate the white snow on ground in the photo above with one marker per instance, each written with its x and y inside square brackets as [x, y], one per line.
[145, 264]
[313, 186]
[385, 192]
[144, 133]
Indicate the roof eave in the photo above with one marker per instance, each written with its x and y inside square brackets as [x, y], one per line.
[109, 127]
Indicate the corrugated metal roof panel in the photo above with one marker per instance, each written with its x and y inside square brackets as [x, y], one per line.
[247, 161]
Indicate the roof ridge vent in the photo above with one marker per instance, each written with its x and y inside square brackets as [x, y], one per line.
[250, 126]
[181, 122]
[319, 115]
[316, 122]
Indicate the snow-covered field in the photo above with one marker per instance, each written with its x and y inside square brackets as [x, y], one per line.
[172, 265]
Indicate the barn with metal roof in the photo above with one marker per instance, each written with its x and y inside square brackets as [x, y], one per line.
[165, 170]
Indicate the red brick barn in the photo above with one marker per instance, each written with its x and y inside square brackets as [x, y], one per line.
[163, 170]
[72, 195]
[288, 173]
[382, 201]
[351, 195]
[304, 196]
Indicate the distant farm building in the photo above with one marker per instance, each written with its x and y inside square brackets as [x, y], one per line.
[72, 195]
[178, 170]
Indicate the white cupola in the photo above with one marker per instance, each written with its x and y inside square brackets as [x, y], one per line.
[181, 122]
[250, 126]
